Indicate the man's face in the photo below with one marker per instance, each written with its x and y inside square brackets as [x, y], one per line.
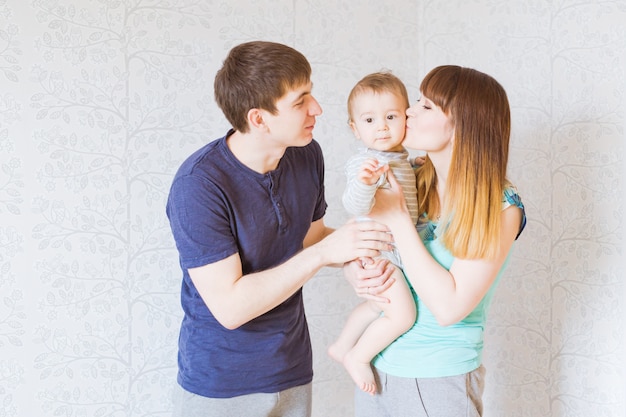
[294, 121]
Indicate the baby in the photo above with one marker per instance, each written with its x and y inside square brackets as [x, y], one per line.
[376, 108]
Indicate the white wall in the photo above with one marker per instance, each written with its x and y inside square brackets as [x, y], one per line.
[100, 101]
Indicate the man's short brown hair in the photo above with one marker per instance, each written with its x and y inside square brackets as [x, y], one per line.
[255, 75]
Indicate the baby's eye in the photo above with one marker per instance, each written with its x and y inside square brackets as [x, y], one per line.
[369, 120]
[391, 117]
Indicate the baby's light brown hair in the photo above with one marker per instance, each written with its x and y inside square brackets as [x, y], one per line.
[377, 82]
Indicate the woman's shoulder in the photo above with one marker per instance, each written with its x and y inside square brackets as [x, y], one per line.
[511, 197]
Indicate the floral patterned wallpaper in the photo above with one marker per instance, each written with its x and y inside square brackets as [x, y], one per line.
[101, 100]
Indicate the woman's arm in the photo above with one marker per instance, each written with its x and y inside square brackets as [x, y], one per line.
[449, 295]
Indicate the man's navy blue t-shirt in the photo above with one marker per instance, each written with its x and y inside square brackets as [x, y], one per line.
[218, 207]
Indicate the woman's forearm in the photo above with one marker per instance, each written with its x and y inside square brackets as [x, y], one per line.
[451, 294]
[432, 282]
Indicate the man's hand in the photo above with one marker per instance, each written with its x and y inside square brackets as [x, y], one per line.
[354, 240]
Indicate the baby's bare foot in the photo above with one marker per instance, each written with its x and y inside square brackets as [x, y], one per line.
[361, 374]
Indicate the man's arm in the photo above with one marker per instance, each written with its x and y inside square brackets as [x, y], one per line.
[317, 232]
[235, 299]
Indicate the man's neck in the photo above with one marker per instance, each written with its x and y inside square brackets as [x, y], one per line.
[255, 151]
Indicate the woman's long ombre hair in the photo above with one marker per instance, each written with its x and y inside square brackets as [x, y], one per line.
[478, 108]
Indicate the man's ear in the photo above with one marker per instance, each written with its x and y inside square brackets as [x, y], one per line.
[255, 119]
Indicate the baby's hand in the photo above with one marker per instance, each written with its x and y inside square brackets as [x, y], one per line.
[371, 171]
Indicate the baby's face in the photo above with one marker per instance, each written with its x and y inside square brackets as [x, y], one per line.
[379, 120]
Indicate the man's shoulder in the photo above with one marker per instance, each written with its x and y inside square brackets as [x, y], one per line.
[209, 154]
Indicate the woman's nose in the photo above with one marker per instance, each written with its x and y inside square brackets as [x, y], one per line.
[410, 112]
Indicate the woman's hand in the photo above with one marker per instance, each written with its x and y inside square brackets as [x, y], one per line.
[390, 202]
[370, 277]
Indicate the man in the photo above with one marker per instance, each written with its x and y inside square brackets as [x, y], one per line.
[246, 212]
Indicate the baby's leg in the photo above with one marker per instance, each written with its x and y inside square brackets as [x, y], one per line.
[399, 315]
[360, 318]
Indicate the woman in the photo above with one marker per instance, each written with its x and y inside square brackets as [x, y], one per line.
[470, 215]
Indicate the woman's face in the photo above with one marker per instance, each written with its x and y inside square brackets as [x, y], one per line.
[428, 128]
